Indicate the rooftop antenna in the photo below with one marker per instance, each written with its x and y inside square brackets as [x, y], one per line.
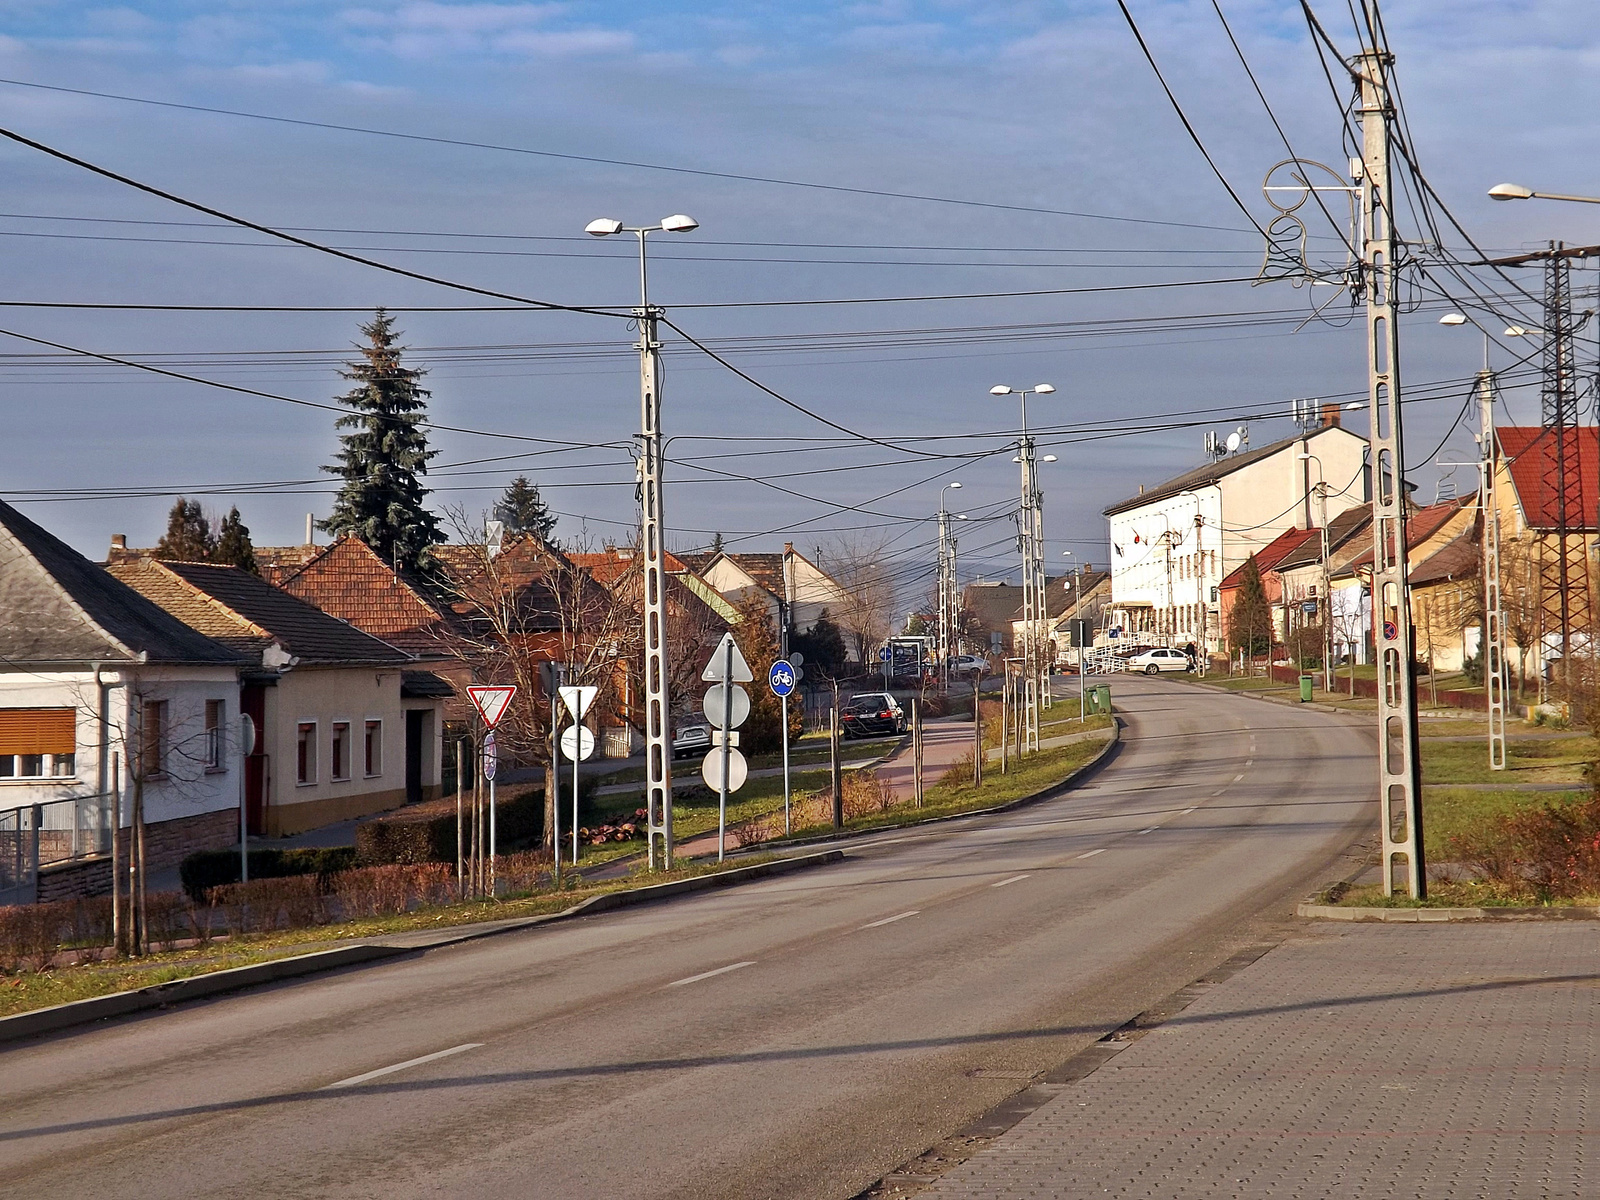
[1306, 411]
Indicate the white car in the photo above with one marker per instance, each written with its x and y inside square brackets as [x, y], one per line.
[1153, 662]
[966, 664]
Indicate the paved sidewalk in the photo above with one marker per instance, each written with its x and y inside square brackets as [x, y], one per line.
[1394, 1061]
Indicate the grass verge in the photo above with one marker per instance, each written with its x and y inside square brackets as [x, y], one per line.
[1550, 760]
[61, 985]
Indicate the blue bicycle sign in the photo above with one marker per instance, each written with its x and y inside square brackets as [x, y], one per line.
[781, 678]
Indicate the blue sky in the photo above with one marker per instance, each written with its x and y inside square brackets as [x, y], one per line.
[1034, 105]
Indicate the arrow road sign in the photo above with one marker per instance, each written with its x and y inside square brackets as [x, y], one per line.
[741, 669]
[711, 770]
[577, 743]
[578, 700]
[491, 702]
[491, 757]
[716, 703]
[781, 679]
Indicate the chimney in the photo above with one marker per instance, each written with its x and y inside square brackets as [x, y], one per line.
[1141, 489]
[119, 541]
[1330, 416]
[788, 547]
[311, 529]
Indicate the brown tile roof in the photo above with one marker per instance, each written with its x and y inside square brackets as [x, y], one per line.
[1456, 559]
[1422, 525]
[349, 581]
[1271, 556]
[1530, 453]
[249, 614]
[58, 607]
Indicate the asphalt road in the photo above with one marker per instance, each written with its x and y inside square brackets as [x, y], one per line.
[793, 1038]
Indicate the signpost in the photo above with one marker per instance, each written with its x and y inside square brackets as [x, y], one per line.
[724, 768]
[782, 679]
[491, 703]
[577, 743]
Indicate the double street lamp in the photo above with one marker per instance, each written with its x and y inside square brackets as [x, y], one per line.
[657, 676]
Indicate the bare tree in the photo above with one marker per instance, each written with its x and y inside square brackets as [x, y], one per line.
[858, 563]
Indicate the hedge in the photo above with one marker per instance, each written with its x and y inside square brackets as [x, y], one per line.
[206, 869]
[428, 834]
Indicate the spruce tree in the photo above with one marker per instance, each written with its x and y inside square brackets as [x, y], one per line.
[188, 537]
[233, 546]
[1250, 618]
[823, 646]
[522, 510]
[385, 453]
[716, 544]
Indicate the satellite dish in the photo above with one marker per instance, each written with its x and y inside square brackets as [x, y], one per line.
[1233, 442]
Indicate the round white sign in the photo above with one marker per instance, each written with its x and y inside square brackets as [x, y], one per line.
[711, 770]
[715, 702]
[577, 743]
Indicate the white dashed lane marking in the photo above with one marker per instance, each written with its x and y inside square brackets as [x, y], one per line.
[891, 920]
[709, 974]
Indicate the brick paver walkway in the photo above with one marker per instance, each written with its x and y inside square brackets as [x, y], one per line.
[1395, 1061]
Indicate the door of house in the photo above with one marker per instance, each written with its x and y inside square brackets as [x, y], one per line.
[415, 719]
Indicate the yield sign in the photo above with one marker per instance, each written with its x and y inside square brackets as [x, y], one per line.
[578, 699]
[719, 661]
[491, 702]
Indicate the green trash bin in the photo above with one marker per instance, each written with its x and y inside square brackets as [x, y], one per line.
[1305, 688]
[1102, 698]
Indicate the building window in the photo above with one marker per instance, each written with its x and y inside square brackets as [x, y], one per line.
[38, 743]
[374, 748]
[306, 754]
[153, 740]
[216, 735]
[339, 764]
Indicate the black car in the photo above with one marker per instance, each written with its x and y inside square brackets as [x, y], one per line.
[873, 713]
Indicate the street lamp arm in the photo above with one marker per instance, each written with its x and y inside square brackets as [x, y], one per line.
[1515, 191]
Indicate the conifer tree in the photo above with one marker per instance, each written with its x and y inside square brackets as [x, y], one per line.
[1250, 618]
[522, 510]
[233, 546]
[385, 453]
[188, 537]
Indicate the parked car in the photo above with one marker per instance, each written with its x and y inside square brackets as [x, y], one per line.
[691, 739]
[966, 664]
[872, 713]
[1153, 662]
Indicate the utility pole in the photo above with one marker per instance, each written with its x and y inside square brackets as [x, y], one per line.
[657, 693]
[1399, 774]
[944, 600]
[1492, 652]
[1030, 542]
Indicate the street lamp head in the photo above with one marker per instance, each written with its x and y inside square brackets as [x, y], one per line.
[1049, 458]
[954, 483]
[999, 389]
[1453, 319]
[1043, 389]
[1510, 191]
[1016, 458]
[1516, 331]
[961, 516]
[678, 223]
[603, 227]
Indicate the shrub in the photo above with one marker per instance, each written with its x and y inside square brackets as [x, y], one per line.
[427, 834]
[287, 902]
[207, 869]
[1552, 850]
[393, 889]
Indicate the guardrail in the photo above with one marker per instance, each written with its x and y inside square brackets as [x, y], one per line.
[41, 835]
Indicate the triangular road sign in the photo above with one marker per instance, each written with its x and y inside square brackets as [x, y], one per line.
[491, 702]
[719, 662]
[578, 700]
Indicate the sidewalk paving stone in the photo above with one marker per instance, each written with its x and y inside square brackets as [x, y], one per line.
[1395, 1061]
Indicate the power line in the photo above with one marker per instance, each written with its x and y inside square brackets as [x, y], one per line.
[292, 238]
[618, 162]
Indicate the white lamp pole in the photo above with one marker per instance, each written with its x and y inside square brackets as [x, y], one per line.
[657, 695]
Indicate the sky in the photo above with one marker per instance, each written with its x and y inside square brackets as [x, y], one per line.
[830, 152]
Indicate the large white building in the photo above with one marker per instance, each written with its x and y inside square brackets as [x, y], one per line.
[1174, 543]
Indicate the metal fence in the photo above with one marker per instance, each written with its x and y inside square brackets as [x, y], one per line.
[39, 835]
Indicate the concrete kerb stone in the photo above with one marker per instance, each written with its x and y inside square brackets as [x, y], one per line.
[1055, 789]
[1421, 916]
[177, 991]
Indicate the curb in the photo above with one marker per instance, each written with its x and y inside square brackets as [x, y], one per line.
[1424, 916]
[1049, 793]
[196, 987]
[1314, 705]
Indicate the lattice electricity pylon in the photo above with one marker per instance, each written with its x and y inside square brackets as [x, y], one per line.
[1564, 599]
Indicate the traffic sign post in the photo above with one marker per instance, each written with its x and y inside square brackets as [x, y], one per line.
[782, 679]
[724, 768]
[492, 702]
[577, 743]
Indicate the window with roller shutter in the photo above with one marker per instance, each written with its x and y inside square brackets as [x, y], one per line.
[38, 743]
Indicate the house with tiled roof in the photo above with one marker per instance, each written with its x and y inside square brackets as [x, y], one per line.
[347, 725]
[108, 704]
[791, 587]
[1282, 548]
[1174, 543]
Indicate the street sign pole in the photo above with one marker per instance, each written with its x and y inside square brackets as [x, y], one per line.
[782, 677]
[727, 746]
[491, 768]
[783, 704]
[555, 787]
